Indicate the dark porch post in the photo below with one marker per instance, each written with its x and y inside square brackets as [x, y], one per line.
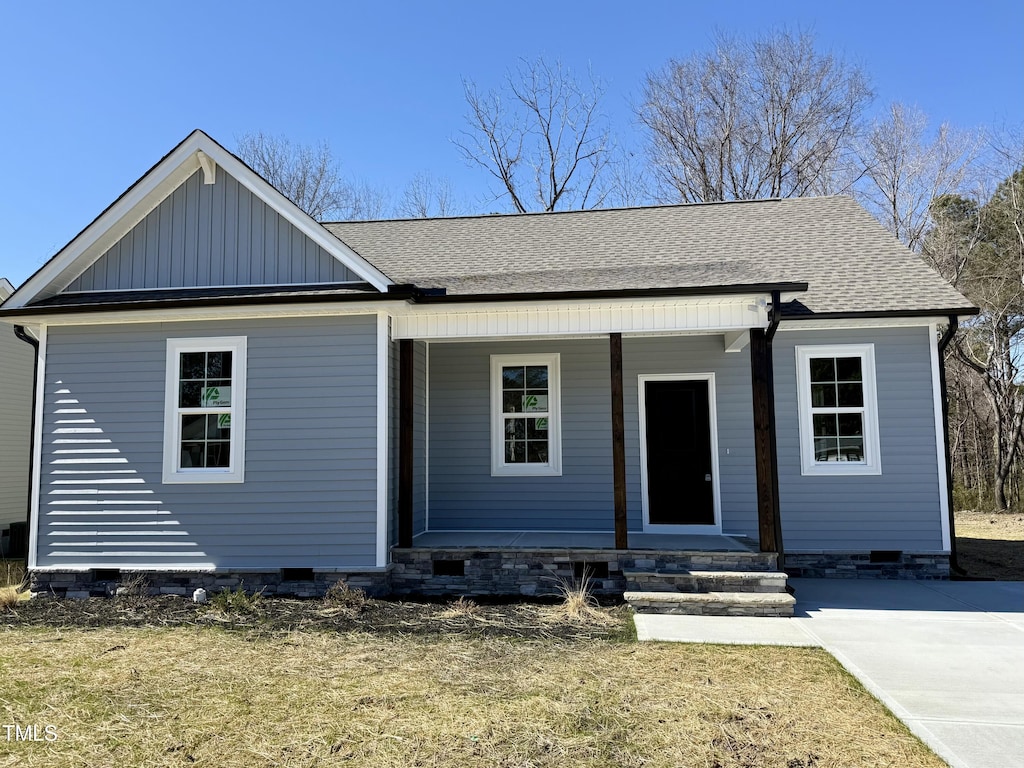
[618, 442]
[769, 520]
[405, 442]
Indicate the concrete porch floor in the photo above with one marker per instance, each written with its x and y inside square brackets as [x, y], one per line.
[548, 540]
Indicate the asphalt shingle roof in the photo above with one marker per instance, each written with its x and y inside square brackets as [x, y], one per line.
[850, 262]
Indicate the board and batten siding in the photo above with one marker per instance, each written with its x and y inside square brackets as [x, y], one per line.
[896, 510]
[309, 496]
[464, 495]
[211, 235]
[16, 361]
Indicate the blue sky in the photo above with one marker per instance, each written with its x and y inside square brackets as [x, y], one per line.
[92, 94]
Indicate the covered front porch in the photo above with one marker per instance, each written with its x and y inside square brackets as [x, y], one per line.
[603, 382]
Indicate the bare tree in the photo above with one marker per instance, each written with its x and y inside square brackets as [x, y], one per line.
[542, 137]
[768, 117]
[309, 176]
[987, 241]
[428, 196]
[905, 169]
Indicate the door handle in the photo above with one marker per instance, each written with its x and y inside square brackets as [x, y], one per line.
[707, 478]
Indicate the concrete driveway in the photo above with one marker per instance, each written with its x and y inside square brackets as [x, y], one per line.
[946, 657]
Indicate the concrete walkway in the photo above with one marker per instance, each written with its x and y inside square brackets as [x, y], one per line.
[946, 657]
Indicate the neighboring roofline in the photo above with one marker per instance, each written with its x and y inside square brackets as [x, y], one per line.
[880, 313]
[6, 289]
[427, 297]
[182, 161]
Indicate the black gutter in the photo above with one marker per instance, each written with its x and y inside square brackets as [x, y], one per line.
[398, 292]
[19, 331]
[204, 301]
[426, 297]
[947, 337]
[883, 313]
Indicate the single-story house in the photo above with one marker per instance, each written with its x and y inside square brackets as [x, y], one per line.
[16, 361]
[664, 397]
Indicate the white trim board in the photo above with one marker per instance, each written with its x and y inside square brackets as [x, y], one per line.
[716, 495]
[383, 322]
[940, 435]
[37, 452]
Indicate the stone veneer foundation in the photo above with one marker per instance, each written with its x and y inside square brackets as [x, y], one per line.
[529, 572]
[80, 584]
[867, 565]
[542, 572]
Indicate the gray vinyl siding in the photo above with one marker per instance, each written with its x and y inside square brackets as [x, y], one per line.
[463, 495]
[897, 510]
[211, 235]
[309, 496]
[16, 358]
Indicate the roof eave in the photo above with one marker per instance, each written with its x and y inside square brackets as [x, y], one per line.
[426, 297]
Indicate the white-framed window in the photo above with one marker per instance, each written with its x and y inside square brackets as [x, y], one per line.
[204, 411]
[838, 410]
[525, 415]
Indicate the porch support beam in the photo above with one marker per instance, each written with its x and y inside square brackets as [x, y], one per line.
[405, 442]
[766, 458]
[618, 442]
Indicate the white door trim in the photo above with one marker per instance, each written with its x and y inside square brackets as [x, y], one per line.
[716, 528]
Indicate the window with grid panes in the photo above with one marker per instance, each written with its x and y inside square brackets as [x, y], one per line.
[525, 414]
[838, 419]
[206, 391]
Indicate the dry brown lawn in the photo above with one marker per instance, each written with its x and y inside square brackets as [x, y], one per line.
[12, 586]
[991, 544]
[209, 697]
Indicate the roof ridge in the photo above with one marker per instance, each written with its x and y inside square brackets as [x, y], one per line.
[578, 211]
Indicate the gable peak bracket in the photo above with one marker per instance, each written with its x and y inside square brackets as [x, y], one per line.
[209, 168]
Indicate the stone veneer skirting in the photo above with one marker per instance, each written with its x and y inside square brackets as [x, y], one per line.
[530, 572]
[541, 572]
[80, 584]
[864, 565]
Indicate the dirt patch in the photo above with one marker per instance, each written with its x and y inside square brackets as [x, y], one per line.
[990, 545]
[495, 618]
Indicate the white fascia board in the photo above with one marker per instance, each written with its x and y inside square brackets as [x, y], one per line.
[93, 241]
[149, 192]
[240, 312]
[574, 317]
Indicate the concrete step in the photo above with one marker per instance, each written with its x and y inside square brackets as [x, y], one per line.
[712, 603]
[639, 580]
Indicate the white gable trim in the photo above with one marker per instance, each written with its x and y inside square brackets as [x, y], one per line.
[147, 193]
[6, 289]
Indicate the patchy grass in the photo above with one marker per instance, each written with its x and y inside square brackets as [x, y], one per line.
[991, 544]
[210, 697]
[13, 588]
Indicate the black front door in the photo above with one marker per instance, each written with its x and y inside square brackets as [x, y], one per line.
[679, 482]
